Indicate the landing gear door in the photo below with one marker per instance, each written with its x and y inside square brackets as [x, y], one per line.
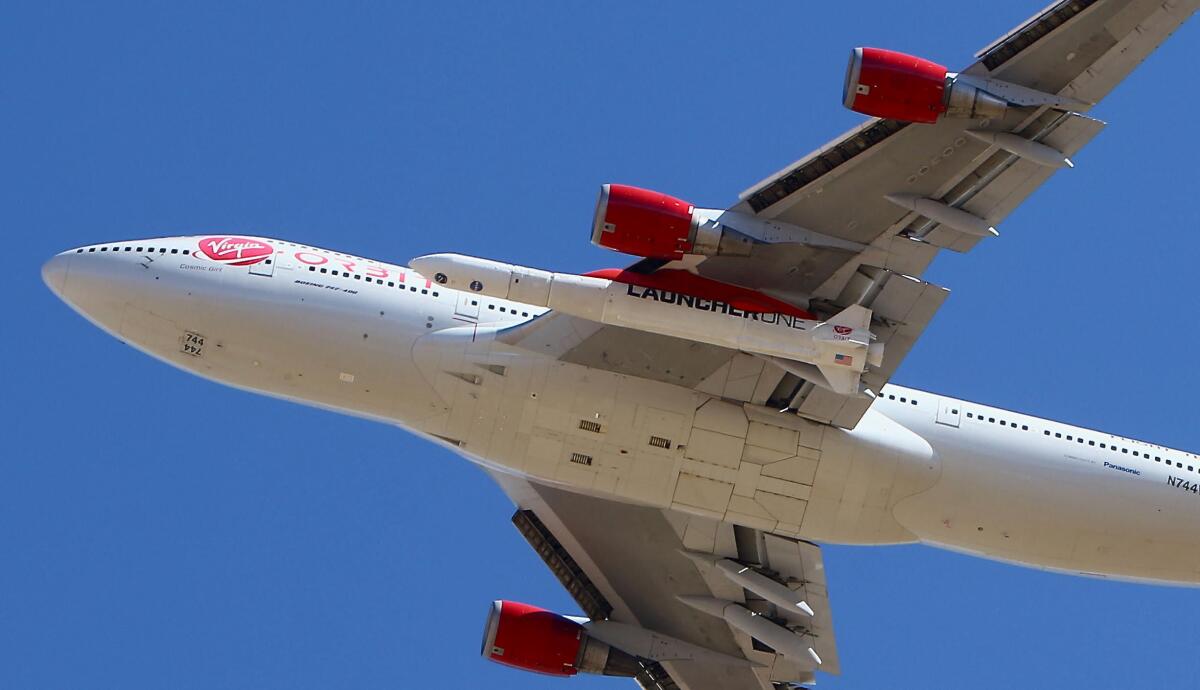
[467, 306]
[948, 412]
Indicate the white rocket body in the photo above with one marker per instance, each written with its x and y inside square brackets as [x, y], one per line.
[840, 348]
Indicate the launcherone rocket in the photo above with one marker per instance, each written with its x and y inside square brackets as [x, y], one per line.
[834, 353]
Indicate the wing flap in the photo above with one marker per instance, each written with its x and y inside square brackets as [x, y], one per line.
[805, 570]
[908, 305]
[1013, 185]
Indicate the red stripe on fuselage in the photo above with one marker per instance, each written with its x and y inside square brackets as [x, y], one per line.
[674, 280]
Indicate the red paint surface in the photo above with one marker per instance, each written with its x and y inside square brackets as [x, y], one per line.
[235, 251]
[534, 639]
[674, 280]
[645, 223]
[899, 86]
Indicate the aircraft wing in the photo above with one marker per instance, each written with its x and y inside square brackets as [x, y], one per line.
[1075, 49]
[625, 563]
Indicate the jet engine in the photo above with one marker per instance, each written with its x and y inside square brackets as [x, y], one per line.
[893, 85]
[659, 226]
[534, 639]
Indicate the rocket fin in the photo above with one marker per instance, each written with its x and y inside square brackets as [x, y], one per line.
[837, 378]
[854, 316]
[842, 380]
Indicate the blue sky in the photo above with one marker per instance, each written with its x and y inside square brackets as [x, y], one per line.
[157, 530]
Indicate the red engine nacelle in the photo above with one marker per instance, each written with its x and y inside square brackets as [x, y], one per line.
[885, 83]
[659, 226]
[534, 639]
[644, 223]
[893, 85]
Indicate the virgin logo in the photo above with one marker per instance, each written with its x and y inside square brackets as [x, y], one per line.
[235, 251]
[842, 330]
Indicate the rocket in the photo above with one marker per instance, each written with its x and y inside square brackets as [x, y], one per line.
[833, 353]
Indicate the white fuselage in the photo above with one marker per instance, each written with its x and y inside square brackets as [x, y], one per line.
[380, 341]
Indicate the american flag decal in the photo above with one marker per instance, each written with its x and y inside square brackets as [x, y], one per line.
[843, 359]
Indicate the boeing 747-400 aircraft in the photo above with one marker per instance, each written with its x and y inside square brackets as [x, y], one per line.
[679, 436]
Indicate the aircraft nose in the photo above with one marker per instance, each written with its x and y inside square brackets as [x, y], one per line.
[54, 273]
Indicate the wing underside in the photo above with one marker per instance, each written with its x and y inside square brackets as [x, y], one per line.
[848, 190]
[626, 563]
[872, 187]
